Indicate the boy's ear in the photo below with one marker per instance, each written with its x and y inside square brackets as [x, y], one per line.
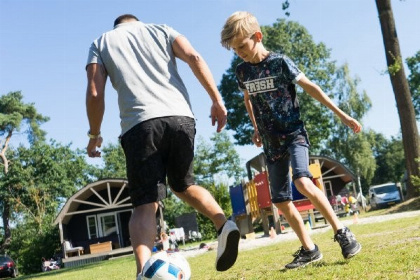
[258, 36]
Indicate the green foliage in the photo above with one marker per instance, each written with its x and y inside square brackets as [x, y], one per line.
[390, 160]
[217, 161]
[174, 207]
[41, 178]
[394, 68]
[114, 163]
[14, 113]
[39, 181]
[354, 150]
[416, 179]
[30, 245]
[414, 81]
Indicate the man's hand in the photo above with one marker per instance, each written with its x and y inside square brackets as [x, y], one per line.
[92, 147]
[218, 114]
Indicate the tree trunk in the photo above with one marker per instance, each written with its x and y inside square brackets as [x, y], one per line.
[410, 135]
[6, 226]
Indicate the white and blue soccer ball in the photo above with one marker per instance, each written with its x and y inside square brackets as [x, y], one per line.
[164, 266]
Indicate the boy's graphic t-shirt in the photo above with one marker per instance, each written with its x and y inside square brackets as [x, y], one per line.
[272, 92]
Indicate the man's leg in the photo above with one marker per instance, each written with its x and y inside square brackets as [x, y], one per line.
[199, 198]
[142, 228]
[228, 233]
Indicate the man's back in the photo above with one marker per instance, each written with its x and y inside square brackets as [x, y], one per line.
[141, 65]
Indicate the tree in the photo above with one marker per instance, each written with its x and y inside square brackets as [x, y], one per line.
[389, 157]
[410, 134]
[217, 160]
[39, 181]
[114, 163]
[354, 150]
[14, 115]
[413, 64]
[41, 178]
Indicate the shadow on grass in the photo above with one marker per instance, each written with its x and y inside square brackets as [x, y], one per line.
[318, 265]
[57, 272]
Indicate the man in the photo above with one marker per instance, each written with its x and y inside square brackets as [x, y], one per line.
[158, 126]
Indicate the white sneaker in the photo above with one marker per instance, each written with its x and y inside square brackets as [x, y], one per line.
[227, 248]
[139, 277]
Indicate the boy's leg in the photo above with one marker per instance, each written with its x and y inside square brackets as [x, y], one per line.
[295, 221]
[281, 195]
[306, 187]
[309, 252]
[301, 176]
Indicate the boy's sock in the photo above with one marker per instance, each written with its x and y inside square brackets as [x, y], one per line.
[310, 249]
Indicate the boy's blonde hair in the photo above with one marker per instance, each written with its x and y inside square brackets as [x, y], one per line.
[242, 24]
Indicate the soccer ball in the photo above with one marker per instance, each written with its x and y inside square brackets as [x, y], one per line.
[164, 266]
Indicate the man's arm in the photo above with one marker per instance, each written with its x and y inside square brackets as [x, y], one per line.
[316, 92]
[95, 105]
[184, 51]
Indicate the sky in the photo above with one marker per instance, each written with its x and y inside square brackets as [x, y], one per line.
[44, 46]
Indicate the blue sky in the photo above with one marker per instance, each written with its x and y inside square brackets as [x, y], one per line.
[44, 45]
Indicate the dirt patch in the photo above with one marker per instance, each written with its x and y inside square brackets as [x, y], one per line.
[408, 205]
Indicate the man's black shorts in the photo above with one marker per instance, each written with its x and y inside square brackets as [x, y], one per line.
[157, 149]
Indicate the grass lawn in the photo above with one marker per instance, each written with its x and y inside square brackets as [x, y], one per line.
[391, 250]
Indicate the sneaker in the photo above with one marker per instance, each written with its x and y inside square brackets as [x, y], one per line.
[304, 257]
[139, 277]
[227, 248]
[348, 243]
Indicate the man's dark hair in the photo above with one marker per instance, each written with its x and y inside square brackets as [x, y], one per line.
[123, 18]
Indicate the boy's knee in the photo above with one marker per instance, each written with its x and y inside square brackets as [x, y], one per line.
[301, 182]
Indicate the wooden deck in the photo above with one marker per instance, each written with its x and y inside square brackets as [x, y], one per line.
[92, 258]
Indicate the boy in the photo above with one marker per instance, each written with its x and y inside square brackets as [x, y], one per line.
[267, 80]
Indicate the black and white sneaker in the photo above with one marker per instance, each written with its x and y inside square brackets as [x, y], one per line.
[227, 248]
[304, 257]
[348, 243]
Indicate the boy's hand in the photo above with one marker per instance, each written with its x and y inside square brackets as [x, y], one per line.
[353, 124]
[257, 139]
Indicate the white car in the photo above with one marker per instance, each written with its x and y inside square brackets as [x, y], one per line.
[384, 195]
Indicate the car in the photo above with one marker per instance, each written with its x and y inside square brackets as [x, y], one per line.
[7, 267]
[384, 195]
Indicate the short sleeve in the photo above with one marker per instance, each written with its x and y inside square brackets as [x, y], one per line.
[239, 78]
[171, 33]
[293, 73]
[93, 56]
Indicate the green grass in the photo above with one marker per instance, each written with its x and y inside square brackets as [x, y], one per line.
[391, 250]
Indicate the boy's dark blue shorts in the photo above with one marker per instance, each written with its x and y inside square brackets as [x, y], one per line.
[157, 149]
[296, 157]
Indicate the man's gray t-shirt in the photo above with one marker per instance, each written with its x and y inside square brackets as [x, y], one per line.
[142, 68]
